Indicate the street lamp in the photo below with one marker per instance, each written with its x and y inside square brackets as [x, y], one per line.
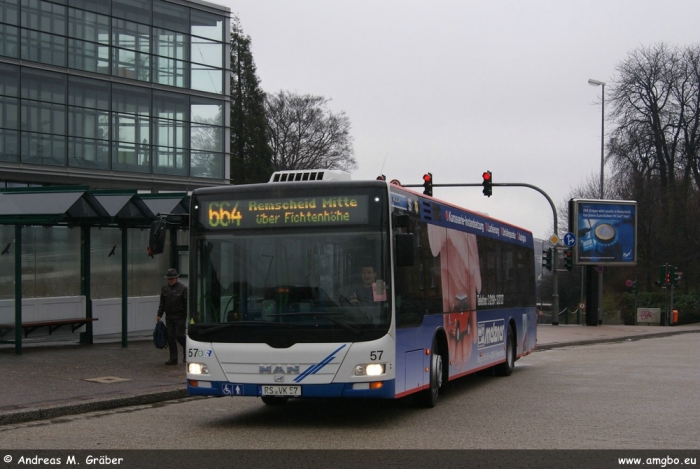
[602, 131]
[602, 166]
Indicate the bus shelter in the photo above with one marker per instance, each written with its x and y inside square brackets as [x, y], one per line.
[79, 207]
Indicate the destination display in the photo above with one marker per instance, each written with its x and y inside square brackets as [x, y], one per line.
[289, 212]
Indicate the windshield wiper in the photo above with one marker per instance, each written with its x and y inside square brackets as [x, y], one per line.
[328, 316]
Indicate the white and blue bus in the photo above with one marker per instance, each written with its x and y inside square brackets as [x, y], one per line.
[274, 273]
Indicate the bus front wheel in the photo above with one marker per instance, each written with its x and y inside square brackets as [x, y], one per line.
[429, 397]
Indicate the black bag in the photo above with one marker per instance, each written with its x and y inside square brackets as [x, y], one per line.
[160, 335]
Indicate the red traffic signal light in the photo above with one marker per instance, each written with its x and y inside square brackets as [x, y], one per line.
[428, 184]
[568, 259]
[488, 182]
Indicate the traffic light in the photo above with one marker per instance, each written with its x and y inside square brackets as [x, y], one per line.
[428, 184]
[635, 287]
[674, 275]
[568, 259]
[488, 182]
[547, 259]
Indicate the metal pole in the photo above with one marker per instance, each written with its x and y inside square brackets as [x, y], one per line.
[583, 278]
[602, 196]
[602, 142]
[125, 286]
[18, 289]
[636, 293]
[670, 310]
[86, 337]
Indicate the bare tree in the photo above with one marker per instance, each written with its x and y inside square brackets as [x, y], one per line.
[654, 150]
[304, 134]
[656, 111]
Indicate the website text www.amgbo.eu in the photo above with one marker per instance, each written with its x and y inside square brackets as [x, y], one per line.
[661, 462]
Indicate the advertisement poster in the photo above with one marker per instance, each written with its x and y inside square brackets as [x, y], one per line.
[606, 232]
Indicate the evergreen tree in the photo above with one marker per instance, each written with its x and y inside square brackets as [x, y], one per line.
[251, 156]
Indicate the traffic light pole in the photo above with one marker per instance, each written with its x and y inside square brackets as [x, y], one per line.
[555, 280]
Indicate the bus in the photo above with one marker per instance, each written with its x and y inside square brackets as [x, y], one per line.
[271, 316]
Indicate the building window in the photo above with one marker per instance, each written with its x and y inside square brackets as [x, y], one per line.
[8, 12]
[131, 49]
[88, 56]
[207, 79]
[9, 113]
[170, 161]
[44, 149]
[44, 16]
[134, 10]
[43, 48]
[88, 26]
[169, 66]
[207, 164]
[70, 120]
[88, 43]
[9, 40]
[171, 16]
[207, 25]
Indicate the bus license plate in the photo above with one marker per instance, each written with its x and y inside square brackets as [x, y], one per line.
[281, 390]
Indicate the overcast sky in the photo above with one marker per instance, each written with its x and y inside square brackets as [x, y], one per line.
[456, 88]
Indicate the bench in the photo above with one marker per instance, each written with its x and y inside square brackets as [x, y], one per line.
[53, 324]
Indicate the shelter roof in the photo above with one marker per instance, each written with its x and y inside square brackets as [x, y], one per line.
[78, 205]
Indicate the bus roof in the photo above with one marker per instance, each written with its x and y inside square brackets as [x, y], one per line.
[479, 214]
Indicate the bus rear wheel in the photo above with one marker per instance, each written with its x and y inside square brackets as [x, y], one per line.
[429, 397]
[274, 400]
[506, 368]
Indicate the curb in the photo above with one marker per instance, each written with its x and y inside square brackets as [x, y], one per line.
[554, 345]
[43, 413]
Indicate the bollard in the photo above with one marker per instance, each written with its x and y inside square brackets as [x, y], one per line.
[675, 316]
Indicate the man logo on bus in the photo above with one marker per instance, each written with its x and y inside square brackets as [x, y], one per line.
[279, 369]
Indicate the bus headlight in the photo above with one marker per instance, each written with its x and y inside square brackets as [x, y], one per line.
[197, 369]
[372, 369]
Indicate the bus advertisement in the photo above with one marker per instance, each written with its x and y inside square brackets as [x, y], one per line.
[350, 289]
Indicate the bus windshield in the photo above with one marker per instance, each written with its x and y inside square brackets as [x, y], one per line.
[282, 287]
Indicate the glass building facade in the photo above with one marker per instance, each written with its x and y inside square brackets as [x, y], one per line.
[114, 93]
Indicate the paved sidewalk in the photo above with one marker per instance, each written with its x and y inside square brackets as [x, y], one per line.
[53, 380]
[549, 336]
[50, 380]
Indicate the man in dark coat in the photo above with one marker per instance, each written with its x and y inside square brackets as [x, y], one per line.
[173, 303]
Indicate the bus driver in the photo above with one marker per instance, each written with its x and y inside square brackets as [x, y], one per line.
[362, 294]
[367, 294]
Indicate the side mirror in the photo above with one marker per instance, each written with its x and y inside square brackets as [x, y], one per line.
[156, 237]
[404, 249]
[400, 220]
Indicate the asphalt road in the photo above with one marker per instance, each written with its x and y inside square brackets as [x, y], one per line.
[637, 394]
